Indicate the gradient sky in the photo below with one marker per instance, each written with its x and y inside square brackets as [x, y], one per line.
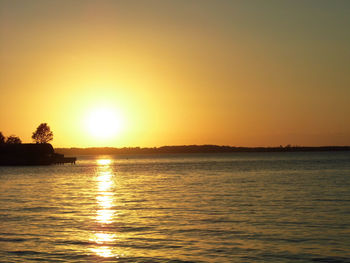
[241, 73]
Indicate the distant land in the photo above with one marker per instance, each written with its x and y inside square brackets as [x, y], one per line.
[193, 149]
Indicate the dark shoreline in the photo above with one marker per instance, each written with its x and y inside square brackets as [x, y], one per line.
[194, 149]
[23, 154]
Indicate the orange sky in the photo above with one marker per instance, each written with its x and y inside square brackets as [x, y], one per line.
[241, 73]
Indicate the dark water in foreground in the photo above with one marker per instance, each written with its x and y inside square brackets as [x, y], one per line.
[252, 207]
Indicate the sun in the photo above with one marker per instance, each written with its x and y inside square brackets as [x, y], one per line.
[104, 123]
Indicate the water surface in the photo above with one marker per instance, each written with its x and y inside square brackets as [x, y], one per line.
[242, 207]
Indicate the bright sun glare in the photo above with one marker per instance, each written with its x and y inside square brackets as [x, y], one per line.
[103, 123]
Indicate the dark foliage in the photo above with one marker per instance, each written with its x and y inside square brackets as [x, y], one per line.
[2, 138]
[43, 134]
[13, 140]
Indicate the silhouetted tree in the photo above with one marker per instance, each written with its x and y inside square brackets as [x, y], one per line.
[13, 140]
[2, 138]
[43, 134]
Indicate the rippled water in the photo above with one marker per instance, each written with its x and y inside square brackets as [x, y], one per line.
[252, 207]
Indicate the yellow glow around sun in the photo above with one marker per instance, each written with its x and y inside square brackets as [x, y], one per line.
[104, 123]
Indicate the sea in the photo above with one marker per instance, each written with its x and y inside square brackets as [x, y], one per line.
[237, 207]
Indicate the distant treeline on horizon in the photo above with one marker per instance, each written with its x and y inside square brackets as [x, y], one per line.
[194, 149]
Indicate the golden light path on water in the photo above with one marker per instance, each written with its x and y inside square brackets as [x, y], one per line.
[105, 213]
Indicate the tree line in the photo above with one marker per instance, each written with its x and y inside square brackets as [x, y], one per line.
[194, 149]
[42, 134]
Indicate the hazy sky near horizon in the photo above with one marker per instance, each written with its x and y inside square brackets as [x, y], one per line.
[244, 73]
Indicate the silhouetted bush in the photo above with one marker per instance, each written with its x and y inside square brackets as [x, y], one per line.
[2, 138]
[13, 140]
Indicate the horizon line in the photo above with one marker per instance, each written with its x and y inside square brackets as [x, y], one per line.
[202, 145]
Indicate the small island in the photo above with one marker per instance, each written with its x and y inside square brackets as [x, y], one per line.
[14, 152]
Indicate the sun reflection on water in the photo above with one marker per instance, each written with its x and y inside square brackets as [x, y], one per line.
[105, 213]
[104, 251]
[105, 201]
[104, 182]
[102, 238]
[105, 216]
[104, 161]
